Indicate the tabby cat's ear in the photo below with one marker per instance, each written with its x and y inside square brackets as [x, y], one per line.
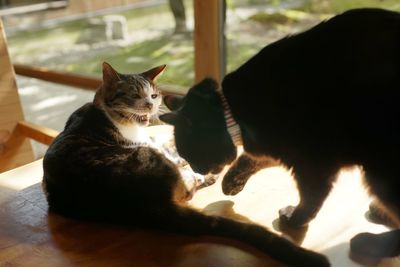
[153, 73]
[173, 102]
[174, 118]
[109, 74]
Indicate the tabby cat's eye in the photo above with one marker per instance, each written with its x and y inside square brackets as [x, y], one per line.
[154, 96]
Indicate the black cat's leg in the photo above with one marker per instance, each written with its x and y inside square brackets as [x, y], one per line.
[314, 184]
[238, 174]
[384, 183]
[378, 214]
[241, 170]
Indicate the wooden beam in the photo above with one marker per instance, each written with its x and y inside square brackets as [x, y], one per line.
[38, 133]
[70, 79]
[209, 39]
[75, 80]
[32, 8]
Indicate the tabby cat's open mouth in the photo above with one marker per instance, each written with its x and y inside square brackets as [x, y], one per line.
[142, 118]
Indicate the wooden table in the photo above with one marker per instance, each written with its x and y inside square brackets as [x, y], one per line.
[29, 236]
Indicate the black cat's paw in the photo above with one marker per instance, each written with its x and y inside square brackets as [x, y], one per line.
[232, 187]
[233, 182]
[378, 215]
[376, 245]
[285, 214]
[289, 217]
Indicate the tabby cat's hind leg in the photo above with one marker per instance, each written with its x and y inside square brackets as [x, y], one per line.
[241, 170]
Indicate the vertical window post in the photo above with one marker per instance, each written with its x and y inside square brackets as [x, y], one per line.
[209, 39]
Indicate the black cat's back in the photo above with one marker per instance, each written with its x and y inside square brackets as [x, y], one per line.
[331, 57]
[317, 101]
[333, 79]
[331, 99]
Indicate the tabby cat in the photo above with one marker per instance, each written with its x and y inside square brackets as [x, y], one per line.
[317, 101]
[102, 168]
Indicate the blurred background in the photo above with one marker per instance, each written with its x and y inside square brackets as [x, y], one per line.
[75, 36]
[71, 35]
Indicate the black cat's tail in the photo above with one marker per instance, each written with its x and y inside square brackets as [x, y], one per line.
[191, 222]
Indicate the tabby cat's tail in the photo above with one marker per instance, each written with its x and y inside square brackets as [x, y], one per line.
[191, 222]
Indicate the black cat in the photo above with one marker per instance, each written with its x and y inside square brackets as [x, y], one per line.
[317, 101]
[104, 168]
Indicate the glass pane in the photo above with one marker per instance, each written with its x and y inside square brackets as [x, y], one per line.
[252, 24]
[132, 38]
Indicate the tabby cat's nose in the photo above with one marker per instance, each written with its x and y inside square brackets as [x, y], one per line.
[149, 105]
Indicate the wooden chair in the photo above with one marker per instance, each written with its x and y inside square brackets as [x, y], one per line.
[15, 146]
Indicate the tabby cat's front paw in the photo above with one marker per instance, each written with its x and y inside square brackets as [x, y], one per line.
[200, 179]
[292, 218]
[209, 179]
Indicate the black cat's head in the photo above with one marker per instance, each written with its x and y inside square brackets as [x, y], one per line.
[129, 98]
[200, 131]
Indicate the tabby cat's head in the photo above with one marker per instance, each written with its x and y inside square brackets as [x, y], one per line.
[129, 98]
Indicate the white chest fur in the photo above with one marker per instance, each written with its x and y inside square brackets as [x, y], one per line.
[134, 133]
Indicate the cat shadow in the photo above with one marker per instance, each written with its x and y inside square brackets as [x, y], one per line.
[224, 208]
